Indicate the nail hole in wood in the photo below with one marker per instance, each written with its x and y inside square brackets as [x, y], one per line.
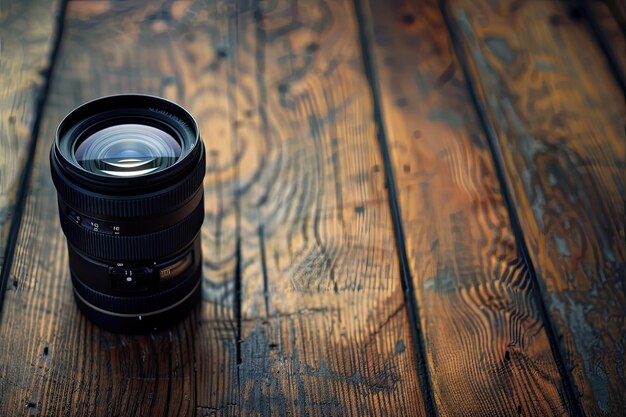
[408, 18]
[312, 47]
[402, 102]
[575, 13]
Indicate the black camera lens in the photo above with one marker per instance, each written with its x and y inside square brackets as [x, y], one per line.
[128, 170]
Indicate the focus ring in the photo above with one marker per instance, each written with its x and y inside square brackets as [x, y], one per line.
[134, 248]
[133, 304]
[160, 202]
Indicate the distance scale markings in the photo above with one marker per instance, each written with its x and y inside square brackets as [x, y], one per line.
[95, 225]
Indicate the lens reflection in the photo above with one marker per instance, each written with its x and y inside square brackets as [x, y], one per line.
[128, 150]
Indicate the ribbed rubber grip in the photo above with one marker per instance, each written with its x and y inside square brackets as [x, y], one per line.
[150, 246]
[156, 203]
[133, 304]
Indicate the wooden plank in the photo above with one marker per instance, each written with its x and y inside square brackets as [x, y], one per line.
[324, 328]
[26, 37]
[54, 362]
[557, 115]
[486, 346]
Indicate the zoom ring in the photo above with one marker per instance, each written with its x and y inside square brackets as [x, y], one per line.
[134, 248]
[147, 205]
[133, 304]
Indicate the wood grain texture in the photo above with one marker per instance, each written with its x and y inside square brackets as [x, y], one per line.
[486, 346]
[610, 16]
[558, 117]
[26, 35]
[52, 361]
[303, 312]
[325, 331]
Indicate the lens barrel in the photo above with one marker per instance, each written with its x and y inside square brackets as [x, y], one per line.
[128, 170]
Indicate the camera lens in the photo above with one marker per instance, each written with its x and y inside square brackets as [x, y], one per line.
[128, 170]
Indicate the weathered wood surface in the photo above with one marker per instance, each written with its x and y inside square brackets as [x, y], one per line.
[558, 117]
[26, 36]
[324, 329]
[486, 347]
[610, 17]
[303, 310]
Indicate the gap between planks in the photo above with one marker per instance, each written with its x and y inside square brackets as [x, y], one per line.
[574, 404]
[394, 207]
[24, 181]
[600, 37]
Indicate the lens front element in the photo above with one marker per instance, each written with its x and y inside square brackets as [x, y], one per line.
[127, 150]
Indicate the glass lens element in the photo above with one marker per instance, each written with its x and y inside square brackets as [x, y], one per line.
[128, 150]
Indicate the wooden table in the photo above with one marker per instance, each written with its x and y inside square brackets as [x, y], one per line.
[412, 208]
